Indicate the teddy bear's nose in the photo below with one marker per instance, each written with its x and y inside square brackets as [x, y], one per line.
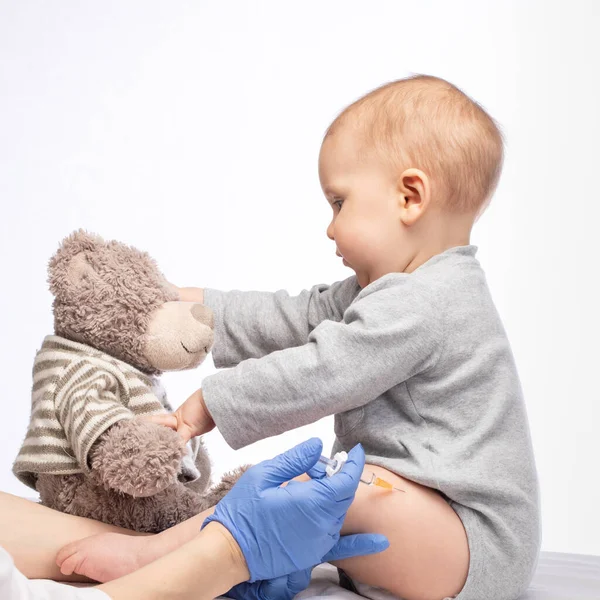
[203, 314]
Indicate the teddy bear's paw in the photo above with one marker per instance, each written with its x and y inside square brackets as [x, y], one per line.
[137, 458]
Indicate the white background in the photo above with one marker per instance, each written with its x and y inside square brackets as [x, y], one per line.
[192, 130]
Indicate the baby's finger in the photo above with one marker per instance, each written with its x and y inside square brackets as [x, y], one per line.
[186, 432]
[164, 420]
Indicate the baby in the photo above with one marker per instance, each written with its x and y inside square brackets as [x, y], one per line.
[409, 354]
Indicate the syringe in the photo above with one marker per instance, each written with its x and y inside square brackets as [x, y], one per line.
[333, 465]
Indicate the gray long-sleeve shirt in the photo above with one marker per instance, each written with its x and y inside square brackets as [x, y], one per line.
[418, 369]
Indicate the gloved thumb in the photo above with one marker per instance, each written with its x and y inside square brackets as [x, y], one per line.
[357, 545]
[291, 463]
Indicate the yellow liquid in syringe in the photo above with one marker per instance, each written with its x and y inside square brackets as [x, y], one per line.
[382, 483]
[335, 464]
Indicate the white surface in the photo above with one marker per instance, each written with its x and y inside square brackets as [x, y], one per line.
[192, 130]
[558, 577]
[15, 586]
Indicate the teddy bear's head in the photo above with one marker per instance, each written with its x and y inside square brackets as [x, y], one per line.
[113, 297]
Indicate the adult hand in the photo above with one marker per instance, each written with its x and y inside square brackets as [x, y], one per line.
[282, 530]
[287, 587]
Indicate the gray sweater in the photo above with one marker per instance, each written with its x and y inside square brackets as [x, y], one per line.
[418, 369]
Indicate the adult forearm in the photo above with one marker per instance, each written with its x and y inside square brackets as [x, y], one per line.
[203, 569]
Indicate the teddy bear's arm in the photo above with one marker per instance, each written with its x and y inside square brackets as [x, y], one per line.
[119, 451]
[86, 405]
[137, 458]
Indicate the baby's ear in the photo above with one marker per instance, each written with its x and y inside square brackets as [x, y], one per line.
[69, 268]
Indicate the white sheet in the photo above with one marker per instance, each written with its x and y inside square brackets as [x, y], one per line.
[558, 577]
[15, 586]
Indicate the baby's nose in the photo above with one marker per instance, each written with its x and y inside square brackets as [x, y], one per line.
[203, 314]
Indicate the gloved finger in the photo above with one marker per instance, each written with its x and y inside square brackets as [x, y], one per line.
[242, 591]
[290, 464]
[274, 589]
[317, 472]
[299, 581]
[357, 545]
[343, 484]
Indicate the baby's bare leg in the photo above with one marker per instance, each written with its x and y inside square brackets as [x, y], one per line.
[32, 534]
[428, 557]
[108, 556]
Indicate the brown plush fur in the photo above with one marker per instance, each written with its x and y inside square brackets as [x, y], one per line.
[136, 458]
[113, 297]
[78, 495]
[108, 301]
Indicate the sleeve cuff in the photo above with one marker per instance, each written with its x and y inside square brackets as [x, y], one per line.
[215, 300]
[221, 407]
[83, 457]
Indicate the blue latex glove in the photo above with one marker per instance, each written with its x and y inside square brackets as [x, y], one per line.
[288, 586]
[285, 587]
[282, 530]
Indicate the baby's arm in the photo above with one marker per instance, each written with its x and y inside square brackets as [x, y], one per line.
[254, 324]
[385, 337]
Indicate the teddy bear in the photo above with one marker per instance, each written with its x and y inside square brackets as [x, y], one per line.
[118, 324]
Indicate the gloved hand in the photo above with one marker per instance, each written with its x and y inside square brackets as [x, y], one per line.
[282, 530]
[287, 587]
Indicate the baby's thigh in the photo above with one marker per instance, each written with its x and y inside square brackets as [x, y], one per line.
[428, 557]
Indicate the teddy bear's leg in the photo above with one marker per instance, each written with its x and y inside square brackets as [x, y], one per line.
[172, 506]
[77, 495]
[80, 496]
[137, 458]
[59, 491]
[228, 480]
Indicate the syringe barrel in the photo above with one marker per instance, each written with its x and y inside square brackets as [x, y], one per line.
[326, 461]
[336, 463]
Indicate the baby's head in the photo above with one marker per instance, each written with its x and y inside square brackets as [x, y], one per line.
[413, 164]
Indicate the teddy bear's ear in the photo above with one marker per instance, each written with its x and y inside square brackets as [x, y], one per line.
[78, 270]
[69, 267]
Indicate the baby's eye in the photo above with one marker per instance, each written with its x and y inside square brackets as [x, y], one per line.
[338, 202]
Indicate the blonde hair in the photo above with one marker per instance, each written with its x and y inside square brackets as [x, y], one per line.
[427, 123]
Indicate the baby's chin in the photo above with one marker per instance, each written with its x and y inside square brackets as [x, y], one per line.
[363, 279]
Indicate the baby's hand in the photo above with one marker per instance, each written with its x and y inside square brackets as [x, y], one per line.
[189, 420]
[188, 294]
[191, 294]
